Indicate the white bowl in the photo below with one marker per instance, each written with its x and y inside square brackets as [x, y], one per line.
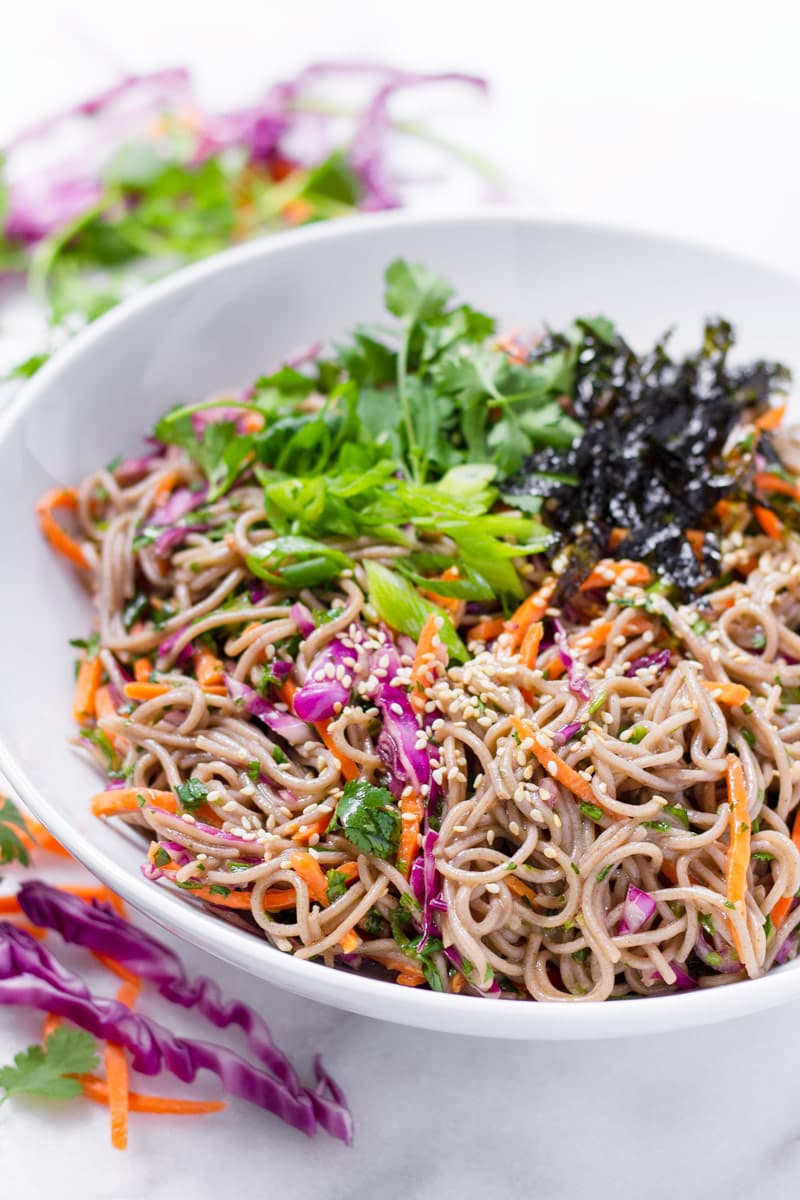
[222, 323]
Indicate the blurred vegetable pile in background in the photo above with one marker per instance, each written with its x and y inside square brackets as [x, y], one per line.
[137, 181]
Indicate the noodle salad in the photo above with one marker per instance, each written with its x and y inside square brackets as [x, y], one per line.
[460, 660]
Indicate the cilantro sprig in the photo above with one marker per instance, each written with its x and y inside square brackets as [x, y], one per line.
[368, 817]
[12, 829]
[50, 1071]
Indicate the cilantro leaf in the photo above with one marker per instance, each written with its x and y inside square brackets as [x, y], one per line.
[337, 884]
[12, 826]
[192, 793]
[414, 292]
[48, 1072]
[368, 817]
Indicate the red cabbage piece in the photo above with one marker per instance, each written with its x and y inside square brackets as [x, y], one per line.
[180, 502]
[399, 744]
[431, 887]
[578, 683]
[32, 977]
[130, 470]
[302, 617]
[658, 659]
[566, 733]
[454, 955]
[637, 910]
[318, 698]
[285, 724]
[169, 539]
[723, 961]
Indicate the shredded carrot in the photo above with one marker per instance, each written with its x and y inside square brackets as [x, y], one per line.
[58, 538]
[145, 691]
[408, 976]
[780, 910]
[312, 875]
[97, 1090]
[350, 941]
[9, 904]
[521, 889]
[51, 1024]
[616, 537]
[457, 983]
[515, 352]
[593, 639]
[317, 826]
[209, 670]
[348, 768]
[554, 765]
[274, 899]
[95, 891]
[127, 800]
[610, 569]
[116, 968]
[104, 706]
[450, 604]
[90, 674]
[252, 422]
[738, 859]
[486, 631]
[696, 539]
[529, 651]
[772, 418]
[771, 525]
[33, 931]
[532, 609]
[726, 693]
[766, 482]
[142, 670]
[411, 812]
[165, 485]
[430, 652]
[116, 1066]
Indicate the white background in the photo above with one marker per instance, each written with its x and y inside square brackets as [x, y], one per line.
[681, 118]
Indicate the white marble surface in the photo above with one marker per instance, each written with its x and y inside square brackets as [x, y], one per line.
[681, 119]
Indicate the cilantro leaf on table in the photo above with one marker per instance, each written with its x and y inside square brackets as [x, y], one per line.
[369, 818]
[12, 828]
[49, 1071]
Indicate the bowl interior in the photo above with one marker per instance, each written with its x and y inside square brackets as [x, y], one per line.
[221, 324]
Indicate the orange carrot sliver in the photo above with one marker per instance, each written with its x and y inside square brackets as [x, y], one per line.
[430, 652]
[346, 765]
[521, 889]
[116, 968]
[58, 538]
[696, 539]
[350, 941]
[40, 838]
[726, 693]
[142, 670]
[127, 800]
[145, 691]
[555, 766]
[309, 870]
[51, 1024]
[450, 604]
[317, 825]
[116, 1066]
[411, 812]
[610, 569]
[771, 525]
[772, 418]
[165, 485]
[486, 631]
[9, 904]
[529, 651]
[97, 1090]
[781, 910]
[766, 482]
[209, 670]
[90, 673]
[533, 608]
[738, 859]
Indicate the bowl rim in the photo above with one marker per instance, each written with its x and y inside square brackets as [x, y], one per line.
[424, 1009]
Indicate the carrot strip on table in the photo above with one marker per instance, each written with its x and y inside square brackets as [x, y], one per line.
[51, 1024]
[555, 765]
[90, 674]
[610, 569]
[312, 875]
[430, 653]
[97, 1090]
[411, 813]
[726, 693]
[533, 608]
[58, 538]
[95, 891]
[116, 1066]
[9, 904]
[772, 418]
[37, 837]
[770, 524]
[738, 858]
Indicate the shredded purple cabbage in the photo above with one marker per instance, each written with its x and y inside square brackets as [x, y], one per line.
[169, 539]
[32, 977]
[130, 470]
[178, 504]
[399, 743]
[721, 960]
[566, 733]
[285, 724]
[637, 910]
[454, 955]
[166, 647]
[578, 683]
[322, 697]
[302, 617]
[658, 659]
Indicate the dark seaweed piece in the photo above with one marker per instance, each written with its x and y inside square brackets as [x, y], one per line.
[650, 460]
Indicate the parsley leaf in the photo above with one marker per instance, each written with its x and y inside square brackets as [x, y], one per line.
[368, 817]
[337, 884]
[48, 1072]
[192, 793]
